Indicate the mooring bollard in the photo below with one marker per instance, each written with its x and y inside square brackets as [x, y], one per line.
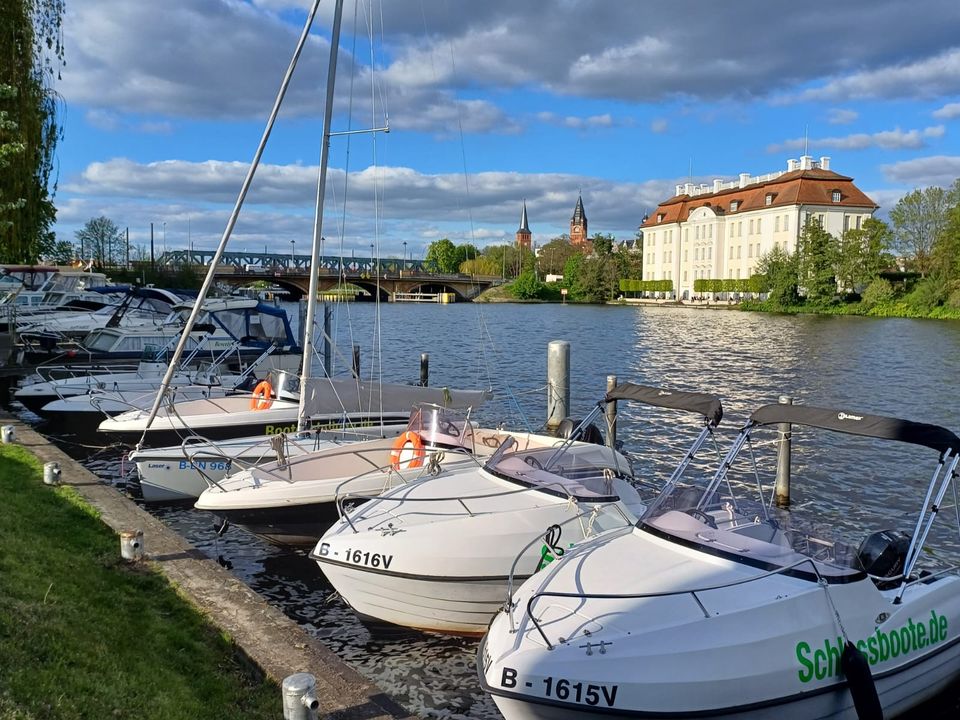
[8, 434]
[131, 545]
[558, 382]
[51, 473]
[424, 369]
[300, 700]
[781, 490]
[612, 414]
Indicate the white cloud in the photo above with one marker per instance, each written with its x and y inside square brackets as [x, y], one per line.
[926, 77]
[280, 204]
[940, 170]
[659, 126]
[575, 122]
[840, 116]
[895, 139]
[950, 111]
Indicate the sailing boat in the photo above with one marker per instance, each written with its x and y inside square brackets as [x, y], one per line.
[327, 400]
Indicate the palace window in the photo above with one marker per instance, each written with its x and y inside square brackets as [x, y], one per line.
[769, 199]
[734, 204]
[836, 196]
[776, 224]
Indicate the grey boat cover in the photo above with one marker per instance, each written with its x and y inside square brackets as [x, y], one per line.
[703, 403]
[857, 423]
[324, 395]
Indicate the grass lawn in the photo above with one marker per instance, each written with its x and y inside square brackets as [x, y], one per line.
[85, 635]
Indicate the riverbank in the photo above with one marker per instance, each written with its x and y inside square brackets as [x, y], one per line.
[177, 636]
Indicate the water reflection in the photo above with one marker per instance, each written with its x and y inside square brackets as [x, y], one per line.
[895, 367]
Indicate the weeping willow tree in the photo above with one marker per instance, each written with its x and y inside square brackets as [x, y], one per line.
[31, 55]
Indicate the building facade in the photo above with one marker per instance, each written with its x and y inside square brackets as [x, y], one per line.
[721, 231]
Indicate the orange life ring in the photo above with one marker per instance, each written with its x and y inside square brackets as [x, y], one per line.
[261, 398]
[407, 442]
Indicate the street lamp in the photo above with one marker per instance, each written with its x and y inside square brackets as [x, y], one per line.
[293, 254]
[404, 253]
[164, 238]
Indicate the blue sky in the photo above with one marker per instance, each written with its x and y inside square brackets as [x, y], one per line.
[489, 104]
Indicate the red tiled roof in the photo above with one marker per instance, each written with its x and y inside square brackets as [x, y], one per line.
[799, 187]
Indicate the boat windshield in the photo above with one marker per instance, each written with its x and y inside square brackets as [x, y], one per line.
[729, 513]
[441, 427]
[583, 471]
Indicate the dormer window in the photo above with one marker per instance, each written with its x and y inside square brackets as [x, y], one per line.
[659, 217]
[734, 204]
[836, 196]
[769, 199]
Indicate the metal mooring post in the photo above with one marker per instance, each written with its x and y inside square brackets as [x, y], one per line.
[131, 545]
[558, 382]
[51, 473]
[424, 369]
[612, 414]
[781, 492]
[300, 700]
[327, 323]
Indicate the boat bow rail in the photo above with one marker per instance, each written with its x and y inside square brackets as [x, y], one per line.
[694, 593]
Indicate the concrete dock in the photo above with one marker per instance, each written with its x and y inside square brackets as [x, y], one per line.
[268, 638]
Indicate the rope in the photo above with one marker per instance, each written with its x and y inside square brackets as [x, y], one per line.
[551, 544]
[278, 445]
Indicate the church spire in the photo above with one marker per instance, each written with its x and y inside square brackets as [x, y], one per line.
[524, 226]
[579, 216]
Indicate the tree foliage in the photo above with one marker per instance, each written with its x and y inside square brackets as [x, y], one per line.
[31, 53]
[443, 256]
[102, 241]
[779, 269]
[816, 261]
[918, 219]
[554, 255]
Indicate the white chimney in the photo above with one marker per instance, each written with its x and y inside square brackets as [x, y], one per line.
[792, 165]
[679, 189]
[806, 162]
[717, 185]
[824, 162]
[704, 188]
[688, 188]
[744, 179]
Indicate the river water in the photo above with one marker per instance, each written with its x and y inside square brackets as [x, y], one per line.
[901, 367]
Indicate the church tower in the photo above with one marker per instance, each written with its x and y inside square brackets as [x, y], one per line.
[578, 226]
[524, 235]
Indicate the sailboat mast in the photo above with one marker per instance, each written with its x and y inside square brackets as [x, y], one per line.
[208, 280]
[308, 331]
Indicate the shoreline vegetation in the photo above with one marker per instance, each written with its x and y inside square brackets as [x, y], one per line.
[85, 635]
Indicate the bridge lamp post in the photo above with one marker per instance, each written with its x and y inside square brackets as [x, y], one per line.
[404, 253]
[293, 254]
[164, 238]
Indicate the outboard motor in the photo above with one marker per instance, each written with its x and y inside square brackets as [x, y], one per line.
[884, 554]
[589, 434]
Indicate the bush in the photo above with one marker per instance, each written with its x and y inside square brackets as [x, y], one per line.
[878, 292]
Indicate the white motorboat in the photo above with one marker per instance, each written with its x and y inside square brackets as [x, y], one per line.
[328, 402]
[436, 554]
[183, 472]
[291, 500]
[718, 604]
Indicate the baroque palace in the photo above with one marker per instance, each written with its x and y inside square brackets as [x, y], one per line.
[721, 231]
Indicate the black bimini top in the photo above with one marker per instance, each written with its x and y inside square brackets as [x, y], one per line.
[856, 423]
[704, 403]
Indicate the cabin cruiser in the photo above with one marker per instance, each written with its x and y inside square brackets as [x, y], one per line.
[718, 603]
[291, 499]
[436, 554]
[138, 307]
[225, 321]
